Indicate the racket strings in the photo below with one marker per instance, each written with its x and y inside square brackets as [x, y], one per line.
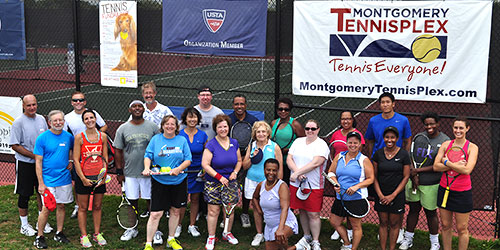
[127, 216]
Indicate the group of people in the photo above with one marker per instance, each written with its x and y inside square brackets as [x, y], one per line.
[280, 171]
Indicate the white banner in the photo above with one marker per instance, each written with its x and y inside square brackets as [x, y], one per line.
[10, 109]
[417, 50]
[118, 36]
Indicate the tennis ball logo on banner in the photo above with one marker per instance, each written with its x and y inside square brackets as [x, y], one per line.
[424, 30]
[214, 19]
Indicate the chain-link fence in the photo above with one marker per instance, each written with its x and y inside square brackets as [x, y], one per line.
[48, 72]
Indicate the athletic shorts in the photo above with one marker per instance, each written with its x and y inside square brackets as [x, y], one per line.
[165, 196]
[215, 193]
[313, 202]
[63, 194]
[26, 180]
[81, 189]
[137, 187]
[397, 206]
[249, 188]
[458, 201]
[194, 186]
[426, 194]
[339, 210]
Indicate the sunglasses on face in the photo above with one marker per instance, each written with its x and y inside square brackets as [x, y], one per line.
[312, 129]
[284, 109]
[78, 100]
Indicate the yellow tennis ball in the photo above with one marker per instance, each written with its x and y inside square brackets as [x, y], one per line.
[426, 48]
[124, 35]
[165, 169]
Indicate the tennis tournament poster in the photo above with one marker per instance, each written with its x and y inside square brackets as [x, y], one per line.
[417, 50]
[118, 37]
[12, 36]
[217, 27]
[10, 109]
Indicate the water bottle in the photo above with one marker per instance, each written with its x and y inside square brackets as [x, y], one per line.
[71, 58]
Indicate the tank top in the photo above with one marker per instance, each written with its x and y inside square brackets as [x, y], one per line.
[462, 182]
[351, 173]
[271, 206]
[89, 148]
[256, 171]
[283, 137]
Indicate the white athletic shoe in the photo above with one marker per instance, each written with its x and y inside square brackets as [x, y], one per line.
[349, 234]
[303, 244]
[315, 245]
[157, 239]
[129, 234]
[406, 243]
[257, 239]
[74, 214]
[401, 236]
[335, 235]
[47, 229]
[435, 246]
[245, 220]
[178, 231]
[28, 230]
[193, 231]
[343, 247]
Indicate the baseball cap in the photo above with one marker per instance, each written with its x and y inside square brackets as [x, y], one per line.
[255, 159]
[203, 88]
[304, 190]
[353, 134]
[393, 129]
[49, 200]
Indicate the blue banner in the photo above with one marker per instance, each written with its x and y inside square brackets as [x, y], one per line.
[12, 37]
[215, 27]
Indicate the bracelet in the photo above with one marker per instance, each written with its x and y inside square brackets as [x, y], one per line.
[218, 176]
[235, 172]
[445, 162]
[331, 174]
[119, 171]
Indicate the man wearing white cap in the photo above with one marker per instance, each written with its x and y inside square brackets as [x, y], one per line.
[131, 141]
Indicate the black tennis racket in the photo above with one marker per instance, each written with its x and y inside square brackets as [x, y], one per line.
[356, 209]
[242, 132]
[420, 152]
[332, 148]
[94, 167]
[126, 214]
[454, 154]
[282, 136]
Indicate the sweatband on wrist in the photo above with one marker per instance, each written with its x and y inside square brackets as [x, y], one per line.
[445, 162]
[119, 171]
[218, 176]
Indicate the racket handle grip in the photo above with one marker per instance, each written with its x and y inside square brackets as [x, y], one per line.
[445, 197]
[91, 202]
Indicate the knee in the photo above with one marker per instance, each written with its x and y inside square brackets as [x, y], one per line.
[60, 207]
[394, 224]
[175, 212]
[462, 229]
[446, 225]
[313, 215]
[22, 201]
[96, 207]
[430, 213]
[156, 215]
[213, 212]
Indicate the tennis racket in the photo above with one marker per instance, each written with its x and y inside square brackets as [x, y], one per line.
[354, 209]
[242, 132]
[228, 208]
[454, 154]
[94, 167]
[281, 135]
[420, 153]
[332, 148]
[126, 214]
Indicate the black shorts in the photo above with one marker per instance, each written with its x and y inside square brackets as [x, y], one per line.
[339, 210]
[81, 189]
[458, 201]
[26, 180]
[165, 196]
[397, 206]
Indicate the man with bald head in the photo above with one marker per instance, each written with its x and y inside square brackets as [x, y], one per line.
[24, 132]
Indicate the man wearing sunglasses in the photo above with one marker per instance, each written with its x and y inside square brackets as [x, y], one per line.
[73, 123]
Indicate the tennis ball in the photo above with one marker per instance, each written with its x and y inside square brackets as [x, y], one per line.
[124, 35]
[426, 48]
[165, 169]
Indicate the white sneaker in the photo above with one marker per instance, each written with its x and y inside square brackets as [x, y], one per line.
[257, 239]
[245, 220]
[230, 238]
[343, 247]
[303, 244]
[74, 214]
[349, 234]
[178, 231]
[28, 230]
[401, 236]
[406, 243]
[47, 229]
[157, 239]
[435, 246]
[335, 235]
[129, 234]
[315, 245]
[210, 243]
[193, 230]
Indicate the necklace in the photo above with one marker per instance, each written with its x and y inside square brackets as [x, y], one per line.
[391, 153]
[270, 186]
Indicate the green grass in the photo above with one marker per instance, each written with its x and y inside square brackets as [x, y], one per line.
[12, 239]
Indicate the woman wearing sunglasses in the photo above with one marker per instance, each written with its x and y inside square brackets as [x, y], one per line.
[307, 159]
[285, 130]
